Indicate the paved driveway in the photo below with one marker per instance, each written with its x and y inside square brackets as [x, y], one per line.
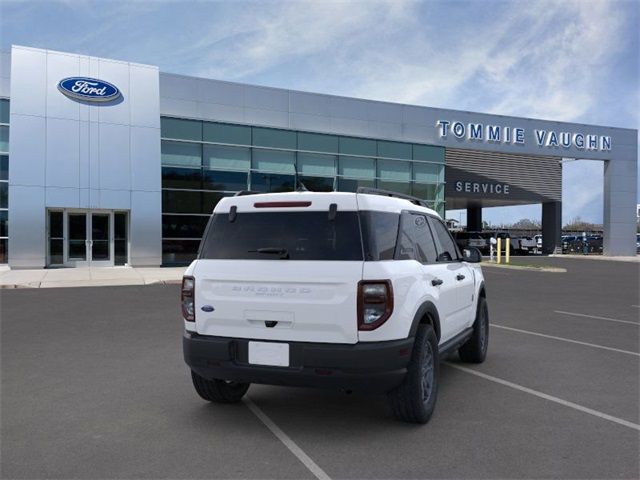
[93, 386]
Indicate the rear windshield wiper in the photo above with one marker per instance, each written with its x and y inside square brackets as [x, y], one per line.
[283, 252]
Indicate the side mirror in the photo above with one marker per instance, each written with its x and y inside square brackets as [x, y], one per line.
[471, 255]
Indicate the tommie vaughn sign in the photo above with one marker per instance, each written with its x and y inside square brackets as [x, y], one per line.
[478, 132]
[88, 89]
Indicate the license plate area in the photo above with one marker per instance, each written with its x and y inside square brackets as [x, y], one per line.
[269, 353]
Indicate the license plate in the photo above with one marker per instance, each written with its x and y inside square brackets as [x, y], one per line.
[269, 353]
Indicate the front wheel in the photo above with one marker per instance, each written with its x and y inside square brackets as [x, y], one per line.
[219, 391]
[415, 398]
[474, 350]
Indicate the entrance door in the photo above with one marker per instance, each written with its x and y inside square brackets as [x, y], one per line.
[101, 240]
[83, 238]
[77, 240]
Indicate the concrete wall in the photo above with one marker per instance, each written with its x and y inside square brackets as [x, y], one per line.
[72, 154]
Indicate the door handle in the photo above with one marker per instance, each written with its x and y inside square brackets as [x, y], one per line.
[460, 277]
[436, 281]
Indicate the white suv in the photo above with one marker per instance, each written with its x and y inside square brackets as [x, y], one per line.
[354, 291]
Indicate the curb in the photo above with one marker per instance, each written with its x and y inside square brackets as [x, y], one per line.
[35, 285]
[523, 267]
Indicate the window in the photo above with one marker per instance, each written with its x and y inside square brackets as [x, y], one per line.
[394, 150]
[268, 182]
[399, 187]
[204, 161]
[379, 232]
[179, 153]
[447, 249]
[184, 226]
[317, 142]
[274, 138]
[426, 191]
[297, 235]
[174, 177]
[210, 200]
[224, 181]
[178, 201]
[181, 252]
[428, 172]
[4, 194]
[4, 111]
[225, 133]
[427, 153]
[317, 184]
[352, 185]
[415, 241]
[4, 138]
[316, 164]
[120, 242]
[4, 223]
[393, 170]
[358, 146]
[355, 167]
[275, 161]
[227, 158]
[180, 129]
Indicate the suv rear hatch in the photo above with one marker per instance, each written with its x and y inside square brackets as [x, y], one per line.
[281, 267]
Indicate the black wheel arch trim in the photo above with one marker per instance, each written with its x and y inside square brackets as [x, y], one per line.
[482, 291]
[427, 308]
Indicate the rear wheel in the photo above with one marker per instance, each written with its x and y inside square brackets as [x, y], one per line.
[219, 391]
[474, 350]
[415, 398]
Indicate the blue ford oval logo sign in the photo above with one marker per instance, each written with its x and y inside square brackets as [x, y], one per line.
[89, 89]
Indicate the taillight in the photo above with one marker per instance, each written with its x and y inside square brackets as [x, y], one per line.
[375, 303]
[187, 298]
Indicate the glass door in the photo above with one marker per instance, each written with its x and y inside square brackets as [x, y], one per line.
[84, 238]
[101, 241]
[77, 239]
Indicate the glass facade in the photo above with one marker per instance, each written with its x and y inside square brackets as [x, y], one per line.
[205, 161]
[4, 180]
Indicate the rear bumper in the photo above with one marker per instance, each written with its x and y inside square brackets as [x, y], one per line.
[368, 367]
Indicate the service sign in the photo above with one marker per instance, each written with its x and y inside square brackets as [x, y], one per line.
[88, 89]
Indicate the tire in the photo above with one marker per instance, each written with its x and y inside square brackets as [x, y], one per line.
[415, 398]
[219, 391]
[474, 350]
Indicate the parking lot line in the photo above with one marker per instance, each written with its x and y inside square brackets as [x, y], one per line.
[287, 441]
[551, 398]
[596, 317]
[566, 340]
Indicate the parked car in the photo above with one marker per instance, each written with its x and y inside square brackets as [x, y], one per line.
[471, 239]
[315, 289]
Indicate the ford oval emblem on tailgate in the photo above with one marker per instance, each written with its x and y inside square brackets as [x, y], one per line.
[207, 308]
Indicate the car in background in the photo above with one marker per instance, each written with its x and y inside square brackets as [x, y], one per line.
[471, 239]
[638, 243]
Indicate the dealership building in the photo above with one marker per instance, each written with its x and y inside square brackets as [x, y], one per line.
[106, 162]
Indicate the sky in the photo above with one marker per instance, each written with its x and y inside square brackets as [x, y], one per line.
[568, 60]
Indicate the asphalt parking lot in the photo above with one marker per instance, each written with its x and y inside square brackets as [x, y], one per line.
[94, 386]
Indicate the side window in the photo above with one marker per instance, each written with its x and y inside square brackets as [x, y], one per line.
[415, 241]
[447, 250]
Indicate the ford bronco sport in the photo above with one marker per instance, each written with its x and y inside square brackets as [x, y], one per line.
[358, 291]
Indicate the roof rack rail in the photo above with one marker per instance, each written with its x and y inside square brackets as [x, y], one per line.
[387, 193]
[245, 192]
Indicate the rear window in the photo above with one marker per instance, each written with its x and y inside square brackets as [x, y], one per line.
[283, 235]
